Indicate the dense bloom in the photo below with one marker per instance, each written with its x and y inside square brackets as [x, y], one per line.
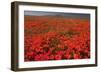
[56, 38]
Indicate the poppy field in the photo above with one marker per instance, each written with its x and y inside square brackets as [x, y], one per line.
[56, 38]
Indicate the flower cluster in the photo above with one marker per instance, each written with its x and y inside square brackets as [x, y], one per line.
[56, 39]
